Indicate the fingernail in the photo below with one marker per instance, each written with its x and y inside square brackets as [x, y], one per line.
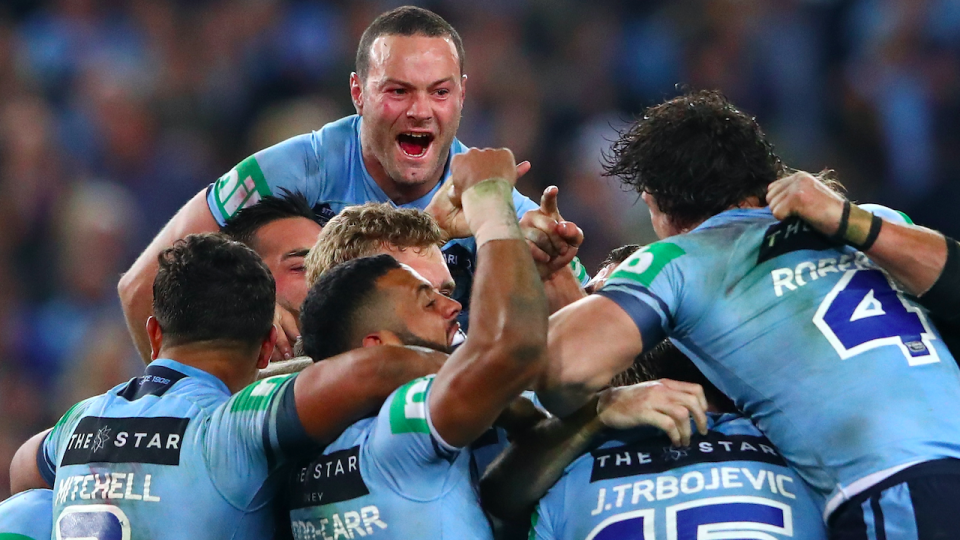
[286, 356]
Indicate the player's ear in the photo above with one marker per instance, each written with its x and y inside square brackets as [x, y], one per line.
[266, 348]
[372, 340]
[356, 92]
[463, 87]
[155, 334]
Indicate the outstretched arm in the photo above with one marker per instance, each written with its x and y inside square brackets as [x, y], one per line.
[333, 394]
[136, 285]
[536, 459]
[506, 348]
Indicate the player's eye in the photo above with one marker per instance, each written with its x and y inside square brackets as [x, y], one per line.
[397, 91]
[443, 92]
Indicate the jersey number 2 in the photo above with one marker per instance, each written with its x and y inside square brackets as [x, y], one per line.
[864, 311]
[716, 518]
[93, 522]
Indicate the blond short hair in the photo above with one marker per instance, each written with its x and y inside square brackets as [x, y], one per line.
[361, 231]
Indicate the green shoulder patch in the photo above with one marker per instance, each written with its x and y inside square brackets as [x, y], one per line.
[906, 218]
[408, 410]
[242, 186]
[257, 396]
[534, 519]
[644, 265]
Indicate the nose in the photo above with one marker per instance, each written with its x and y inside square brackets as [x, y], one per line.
[420, 107]
[449, 307]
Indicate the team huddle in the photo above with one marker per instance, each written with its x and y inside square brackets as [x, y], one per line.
[368, 331]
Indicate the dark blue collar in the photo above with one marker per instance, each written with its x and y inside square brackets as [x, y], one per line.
[161, 375]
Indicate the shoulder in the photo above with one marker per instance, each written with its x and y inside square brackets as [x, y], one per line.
[886, 213]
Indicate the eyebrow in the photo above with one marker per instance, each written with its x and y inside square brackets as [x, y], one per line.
[389, 80]
[295, 253]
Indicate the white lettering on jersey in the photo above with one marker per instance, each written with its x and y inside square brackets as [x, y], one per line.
[105, 486]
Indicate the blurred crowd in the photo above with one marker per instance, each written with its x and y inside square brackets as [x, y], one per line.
[114, 112]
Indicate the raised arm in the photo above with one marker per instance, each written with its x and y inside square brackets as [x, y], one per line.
[506, 348]
[136, 285]
[333, 394]
[920, 268]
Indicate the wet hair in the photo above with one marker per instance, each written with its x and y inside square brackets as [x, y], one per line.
[210, 288]
[618, 255]
[697, 155]
[666, 361]
[360, 231]
[248, 221]
[405, 21]
[332, 312]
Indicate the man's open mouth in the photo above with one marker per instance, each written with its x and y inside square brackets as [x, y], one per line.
[414, 144]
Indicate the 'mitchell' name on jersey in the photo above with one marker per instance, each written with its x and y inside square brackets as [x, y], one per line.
[639, 486]
[123, 464]
[785, 323]
[391, 476]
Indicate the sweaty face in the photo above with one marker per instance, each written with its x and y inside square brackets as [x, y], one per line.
[426, 317]
[410, 103]
[428, 263]
[282, 245]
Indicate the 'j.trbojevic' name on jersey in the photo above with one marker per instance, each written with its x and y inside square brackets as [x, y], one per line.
[643, 459]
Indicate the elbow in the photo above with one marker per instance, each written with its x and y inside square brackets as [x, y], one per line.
[127, 288]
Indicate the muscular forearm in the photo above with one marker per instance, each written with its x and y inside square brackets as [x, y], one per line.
[535, 461]
[338, 391]
[562, 289]
[914, 256]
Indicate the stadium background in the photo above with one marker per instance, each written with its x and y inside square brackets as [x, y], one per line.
[114, 112]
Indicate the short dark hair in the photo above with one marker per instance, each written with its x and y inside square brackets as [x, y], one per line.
[210, 288]
[244, 225]
[330, 314]
[697, 155]
[666, 361]
[618, 255]
[405, 21]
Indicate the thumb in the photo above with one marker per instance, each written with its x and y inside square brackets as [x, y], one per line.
[548, 202]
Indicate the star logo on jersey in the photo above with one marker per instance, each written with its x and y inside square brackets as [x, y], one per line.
[101, 438]
[674, 454]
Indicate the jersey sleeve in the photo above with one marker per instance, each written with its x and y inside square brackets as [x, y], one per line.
[54, 444]
[289, 165]
[647, 287]
[253, 435]
[541, 524]
[405, 448]
[888, 214]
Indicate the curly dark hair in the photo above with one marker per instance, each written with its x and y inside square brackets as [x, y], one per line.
[697, 155]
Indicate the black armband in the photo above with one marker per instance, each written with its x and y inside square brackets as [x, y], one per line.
[943, 298]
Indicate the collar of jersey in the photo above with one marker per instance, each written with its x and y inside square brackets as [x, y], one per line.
[190, 371]
[420, 203]
[734, 214]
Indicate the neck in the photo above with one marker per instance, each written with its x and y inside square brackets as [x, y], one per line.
[749, 202]
[236, 367]
[397, 192]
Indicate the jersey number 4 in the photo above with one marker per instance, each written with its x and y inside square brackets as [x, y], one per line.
[865, 311]
[716, 518]
[93, 522]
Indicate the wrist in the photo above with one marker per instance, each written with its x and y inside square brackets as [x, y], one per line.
[858, 228]
[488, 209]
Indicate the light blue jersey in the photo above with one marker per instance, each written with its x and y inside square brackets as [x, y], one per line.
[390, 476]
[840, 370]
[730, 483]
[27, 516]
[326, 166]
[172, 455]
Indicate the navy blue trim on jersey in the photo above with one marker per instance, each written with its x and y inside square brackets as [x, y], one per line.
[291, 436]
[155, 381]
[645, 317]
[48, 470]
[934, 489]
